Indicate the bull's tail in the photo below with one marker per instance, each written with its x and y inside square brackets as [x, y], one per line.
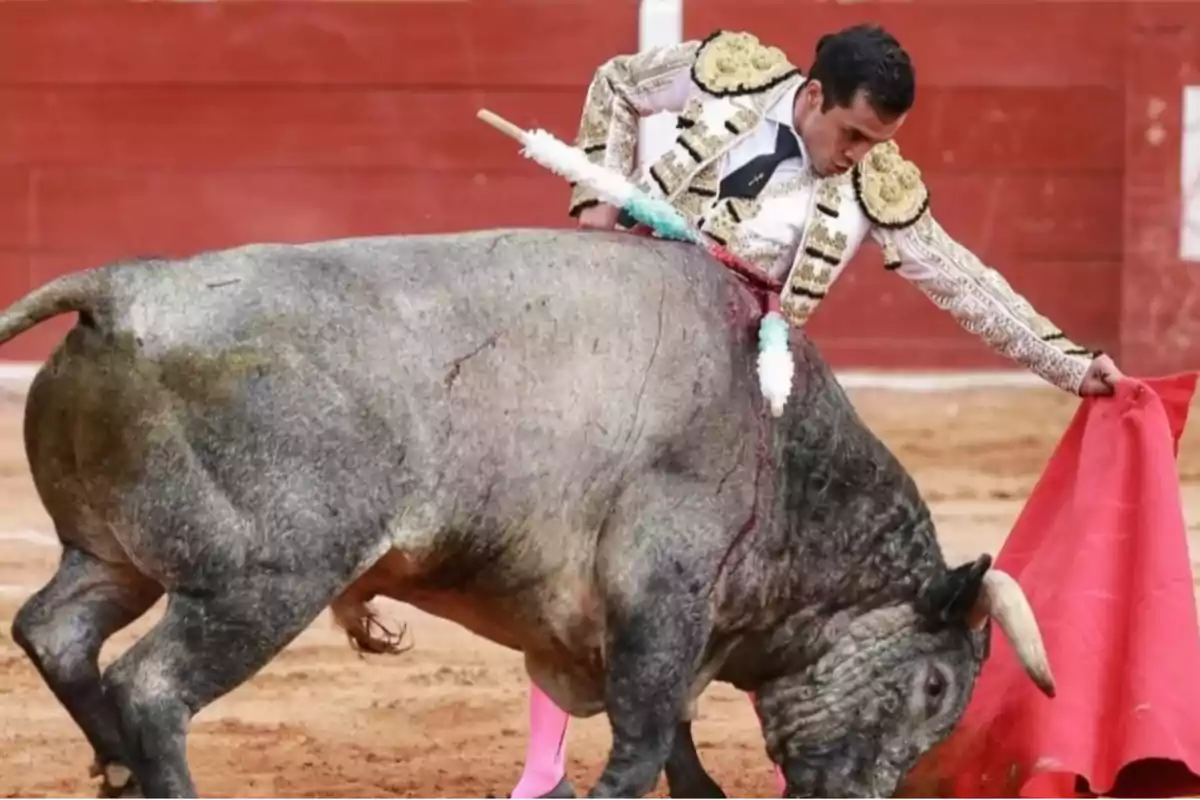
[82, 292]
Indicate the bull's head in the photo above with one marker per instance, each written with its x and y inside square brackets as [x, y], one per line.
[893, 682]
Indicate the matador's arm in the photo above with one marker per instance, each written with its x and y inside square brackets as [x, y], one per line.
[625, 88]
[978, 297]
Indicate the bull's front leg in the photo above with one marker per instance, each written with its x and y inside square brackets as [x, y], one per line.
[686, 775]
[658, 622]
[651, 655]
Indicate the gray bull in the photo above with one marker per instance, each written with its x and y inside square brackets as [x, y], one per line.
[552, 438]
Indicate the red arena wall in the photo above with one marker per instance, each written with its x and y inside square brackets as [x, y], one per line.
[1049, 135]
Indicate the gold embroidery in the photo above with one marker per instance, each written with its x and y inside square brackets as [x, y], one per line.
[744, 119]
[806, 289]
[822, 252]
[697, 146]
[647, 185]
[811, 279]
[691, 205]
[698, 142]
[706, 182]
[795, 309]
[830, 245]
[690, 114]
[889, 188]
[700, 192]
[745, 208]
[733, 63]
[828, 198]
[819, 256]
[728, 216]
[891, 255]
[719, 224]
[669, 173]
[594, 123]
[984, 303]
[763, 254]
[788, 185]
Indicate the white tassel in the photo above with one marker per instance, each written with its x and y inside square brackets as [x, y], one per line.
[775, 364]
[775, 368]
[571, 163]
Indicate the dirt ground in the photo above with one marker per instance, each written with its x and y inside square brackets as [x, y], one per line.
[448, 718]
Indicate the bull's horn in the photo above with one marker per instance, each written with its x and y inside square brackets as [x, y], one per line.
[1002, 599]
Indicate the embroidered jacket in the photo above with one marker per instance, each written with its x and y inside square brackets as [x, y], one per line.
[809, 227]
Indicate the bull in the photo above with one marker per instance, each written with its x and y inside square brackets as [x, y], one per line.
[552, 438]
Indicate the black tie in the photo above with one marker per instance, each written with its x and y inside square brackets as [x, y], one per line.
[750, 178]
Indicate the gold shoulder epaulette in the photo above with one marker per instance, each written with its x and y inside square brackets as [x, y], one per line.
[889, 188]
[732, 63]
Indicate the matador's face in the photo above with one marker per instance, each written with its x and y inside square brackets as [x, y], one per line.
[837, 138]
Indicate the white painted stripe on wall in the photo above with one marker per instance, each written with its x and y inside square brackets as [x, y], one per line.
[660, 23]
[1189, 170]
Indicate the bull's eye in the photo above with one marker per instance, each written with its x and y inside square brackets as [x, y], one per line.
[931, 692]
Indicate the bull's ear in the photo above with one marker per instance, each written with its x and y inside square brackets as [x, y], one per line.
[950, 597]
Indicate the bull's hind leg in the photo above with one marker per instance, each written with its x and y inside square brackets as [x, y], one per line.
[62, 628]
[204, 647]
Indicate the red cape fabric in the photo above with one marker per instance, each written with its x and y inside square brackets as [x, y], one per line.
[1101, 552]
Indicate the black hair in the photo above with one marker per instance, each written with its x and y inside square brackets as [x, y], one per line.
[868, 58]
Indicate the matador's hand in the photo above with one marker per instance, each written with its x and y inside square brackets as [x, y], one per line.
[1101, 378]
[601, 216]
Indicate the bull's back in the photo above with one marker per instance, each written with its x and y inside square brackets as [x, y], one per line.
[498, 373]
[539, 333]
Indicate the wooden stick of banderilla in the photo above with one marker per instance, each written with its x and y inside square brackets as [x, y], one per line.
[501, 124]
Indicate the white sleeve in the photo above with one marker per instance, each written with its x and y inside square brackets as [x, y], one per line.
[982, 301]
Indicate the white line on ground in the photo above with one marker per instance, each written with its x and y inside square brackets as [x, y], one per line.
[16, 375]
[39, 538]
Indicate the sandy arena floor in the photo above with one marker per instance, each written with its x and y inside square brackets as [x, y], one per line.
[448, 717]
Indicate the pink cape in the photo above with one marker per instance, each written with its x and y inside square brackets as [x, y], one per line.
[1101, 552]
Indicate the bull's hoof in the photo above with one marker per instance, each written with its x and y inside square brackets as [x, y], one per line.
[128, 790]
[703, 789]
[563, 789]
[694, 784]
